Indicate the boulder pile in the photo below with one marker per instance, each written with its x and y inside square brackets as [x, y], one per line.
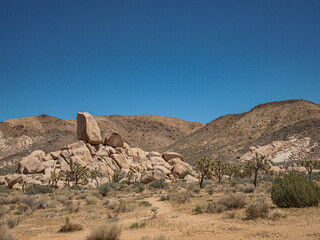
[106, 153]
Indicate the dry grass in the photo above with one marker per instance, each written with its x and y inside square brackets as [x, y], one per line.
[233, 201]
[70, 227]
[106, 232]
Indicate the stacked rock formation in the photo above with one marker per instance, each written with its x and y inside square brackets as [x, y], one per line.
[106, 154]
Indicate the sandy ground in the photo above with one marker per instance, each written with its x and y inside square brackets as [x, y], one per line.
[173, 221]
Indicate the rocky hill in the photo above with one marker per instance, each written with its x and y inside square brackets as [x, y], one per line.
[19, 137]
[286, 130]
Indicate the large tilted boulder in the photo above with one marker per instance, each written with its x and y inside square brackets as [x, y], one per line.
[113, 139]
[170, 155]
[121, 161]
[29, 165]
[151, 176]
[87, 128]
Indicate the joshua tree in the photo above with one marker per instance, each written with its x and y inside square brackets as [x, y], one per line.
[94, 175]
[55, 177]
[219, 169]
[310, 165]
[80, 173]
[258, 162]
[234, 170]
[204, 167]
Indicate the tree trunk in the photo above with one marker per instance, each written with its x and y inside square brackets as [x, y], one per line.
[201, 181]
[255, 178]
[310, 175]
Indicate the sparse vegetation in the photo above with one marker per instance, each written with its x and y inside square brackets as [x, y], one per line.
[158, 184]
[38, 189]
[258, 163]
[310, 164]
[257, 210]
[105, 188]
[233, 201]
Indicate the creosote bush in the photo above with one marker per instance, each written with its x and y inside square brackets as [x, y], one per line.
[138, 187]
[295, 191]
[105, 188]
[106, 231]
[38, 189]
[158, 184]
[70, 227]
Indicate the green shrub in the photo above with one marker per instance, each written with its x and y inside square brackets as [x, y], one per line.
[295, 191]
[137, 225]
[158, 184]
[138, 187]
[145, 204]
[105, 188]
[38, 189]
[184, 174]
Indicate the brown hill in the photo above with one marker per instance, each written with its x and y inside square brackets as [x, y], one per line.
[231, 136]
[20, 136]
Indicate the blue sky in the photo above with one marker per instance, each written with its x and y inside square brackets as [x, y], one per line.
[194, 60]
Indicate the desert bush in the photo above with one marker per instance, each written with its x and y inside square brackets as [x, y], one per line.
[106, 232]
[215, 208]
[38, 189]
[123, 206]
[193, 188]
[248, 189]
[105, 188]
[277, 214]
[295, 191]
[199, 209]
[180, 198]
[138, 187]
[70, 227]
[233, 201]
[91, 201]
[165, 197]
[137, 225]
[72, 206]
[4, 235]
[111, 204]
[23, 207]
[44, 203]
[159, 237]
[10, 199]
[13, 221]
[257, 210]
[145, 204]
[184, 174]
[158, 184]
[209, 189]
[28, 200]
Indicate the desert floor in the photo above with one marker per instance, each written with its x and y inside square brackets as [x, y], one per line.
[163, 219]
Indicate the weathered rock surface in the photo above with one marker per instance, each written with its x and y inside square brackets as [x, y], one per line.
[29, 165]
[170, 155]
[87, 128]
[114, 140]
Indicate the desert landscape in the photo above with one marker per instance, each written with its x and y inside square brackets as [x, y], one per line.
[102, 186]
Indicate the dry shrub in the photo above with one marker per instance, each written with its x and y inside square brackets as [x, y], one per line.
[22, 207]
[10, 199]
[4, 235]
[44, 202]
[72, 206]
[111, 204]
[180, 198]
[91, 201]
[159, 237]
[29, 200]
[233, 201]
[248, 189]
[106, 232]
[122, 207]
[13, 221]
[70, 227]
[257, 210]
[210, 189]
[193, 187]
[276, 214]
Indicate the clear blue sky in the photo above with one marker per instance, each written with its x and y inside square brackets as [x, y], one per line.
[194, 60]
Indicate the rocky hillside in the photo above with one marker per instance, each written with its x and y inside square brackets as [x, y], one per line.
[19, 137]
[286, 130]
